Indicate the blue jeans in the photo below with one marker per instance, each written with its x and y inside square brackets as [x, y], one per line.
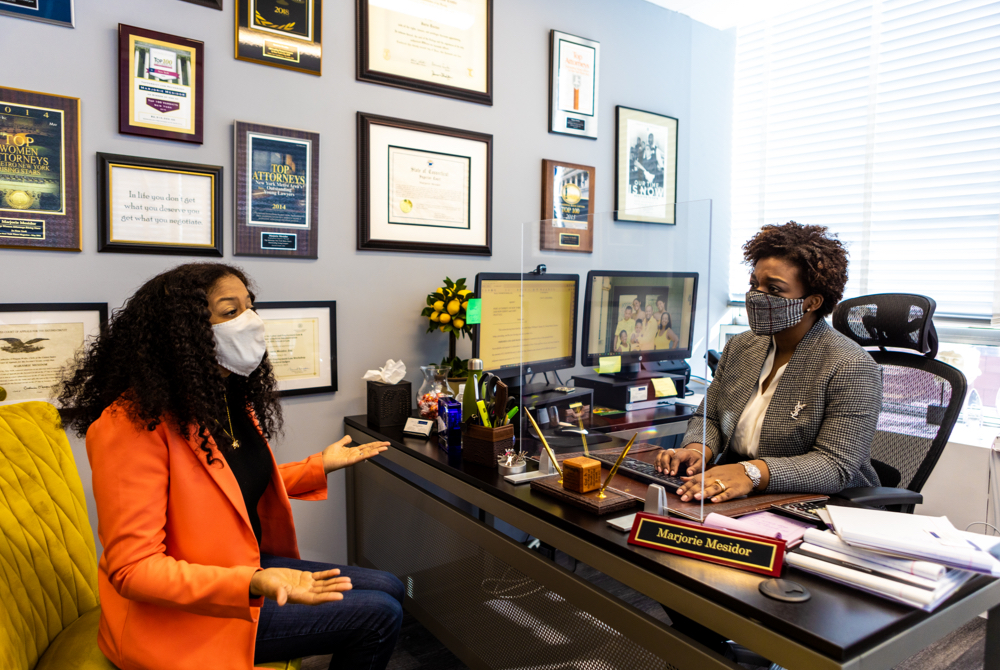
[360, 630]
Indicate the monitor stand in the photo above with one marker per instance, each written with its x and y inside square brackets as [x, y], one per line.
[632, 372]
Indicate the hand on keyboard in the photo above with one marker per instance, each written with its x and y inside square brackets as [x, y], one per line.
[685, 462]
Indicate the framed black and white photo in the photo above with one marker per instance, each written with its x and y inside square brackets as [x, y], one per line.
[59, 12]
[277, 192]
[423, 187]
[301, 340]
[151, 206]
[573, 84]
[38, 340]
[645, 166]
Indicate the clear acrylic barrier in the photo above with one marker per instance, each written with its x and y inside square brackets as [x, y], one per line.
[525, 334]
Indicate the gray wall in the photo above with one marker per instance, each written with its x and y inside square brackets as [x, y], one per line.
[652, 59]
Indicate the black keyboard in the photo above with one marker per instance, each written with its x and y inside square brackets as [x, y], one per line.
[643, 472]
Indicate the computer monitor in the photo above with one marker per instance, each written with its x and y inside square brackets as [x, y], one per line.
[616, 302]
[528, 323]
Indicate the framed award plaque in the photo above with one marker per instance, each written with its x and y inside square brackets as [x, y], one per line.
[161, 85]
[645, 166]
[423, 188]
[567, 207]
[39, 171]
[282, 33]
[59, 12]
[277, 192]
[301, 340]
[573, 85]
[444, 48]
[149, 206]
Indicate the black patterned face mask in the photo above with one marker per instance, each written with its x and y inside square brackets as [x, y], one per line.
[770, 314]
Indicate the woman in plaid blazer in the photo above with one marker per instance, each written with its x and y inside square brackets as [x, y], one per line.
[794, 405]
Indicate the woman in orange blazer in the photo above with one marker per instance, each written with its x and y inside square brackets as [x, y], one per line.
[200, 567]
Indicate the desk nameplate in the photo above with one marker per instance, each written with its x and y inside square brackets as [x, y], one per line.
[743, 551]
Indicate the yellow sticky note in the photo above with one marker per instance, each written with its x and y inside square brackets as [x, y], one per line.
[576, 405]
[610, 364]
[664, 387]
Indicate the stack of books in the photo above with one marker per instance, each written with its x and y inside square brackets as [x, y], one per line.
[916, 560]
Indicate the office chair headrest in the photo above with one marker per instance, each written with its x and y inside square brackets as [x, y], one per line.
[897, 320]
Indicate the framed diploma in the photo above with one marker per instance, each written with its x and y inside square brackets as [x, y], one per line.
[39, 171]
[567, 207]
[59, 12]
[423, 187]
[38, 340]
[276, 192]
[150, 206]
[282, 33]
[444, 48]
[301, 339]
[161, 85]
[574, 69]
[645, 166]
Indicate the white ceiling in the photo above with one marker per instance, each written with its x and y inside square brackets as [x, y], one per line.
[725, 14]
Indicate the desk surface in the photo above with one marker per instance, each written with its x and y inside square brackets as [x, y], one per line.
[838, 622]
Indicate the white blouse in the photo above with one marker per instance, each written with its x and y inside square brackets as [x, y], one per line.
[746, 439]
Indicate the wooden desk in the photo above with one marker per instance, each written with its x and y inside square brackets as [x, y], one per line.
[497, 604]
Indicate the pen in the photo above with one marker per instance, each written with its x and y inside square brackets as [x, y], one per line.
[614, 468]
[552, 456]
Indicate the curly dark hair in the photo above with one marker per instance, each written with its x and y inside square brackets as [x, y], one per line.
[158, 355]
[820, 258]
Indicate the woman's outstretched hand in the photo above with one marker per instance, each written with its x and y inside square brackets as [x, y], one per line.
[284, 585]
[338, 455]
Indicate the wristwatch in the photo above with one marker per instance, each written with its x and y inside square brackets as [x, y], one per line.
[752, 472]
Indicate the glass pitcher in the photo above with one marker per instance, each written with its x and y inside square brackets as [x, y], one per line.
[435, 384]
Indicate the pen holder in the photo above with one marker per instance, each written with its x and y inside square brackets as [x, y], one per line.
[388, 404]
[483, 445]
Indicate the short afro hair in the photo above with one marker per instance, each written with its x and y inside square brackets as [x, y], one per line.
[820, 258]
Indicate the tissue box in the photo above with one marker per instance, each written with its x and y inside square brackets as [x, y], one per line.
[388, 404]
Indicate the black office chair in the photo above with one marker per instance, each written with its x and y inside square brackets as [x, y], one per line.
[921, 396]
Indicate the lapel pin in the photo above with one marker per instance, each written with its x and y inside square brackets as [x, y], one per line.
[798, 408]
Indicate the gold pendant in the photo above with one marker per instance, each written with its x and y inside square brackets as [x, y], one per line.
[236, 444]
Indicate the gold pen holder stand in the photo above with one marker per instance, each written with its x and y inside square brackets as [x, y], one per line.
[483, 445]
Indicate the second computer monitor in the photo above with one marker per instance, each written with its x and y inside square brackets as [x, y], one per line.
[640, 316]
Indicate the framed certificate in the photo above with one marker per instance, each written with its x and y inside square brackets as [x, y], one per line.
[444, 48]
[277, 191]
[567, 207]
[59, 12]
[301, 340]
[282, 33]
[423, 187]
[161, 84]
[574, 68]
[150, 206]
[645, 166]
[39, 171]
[38, 340]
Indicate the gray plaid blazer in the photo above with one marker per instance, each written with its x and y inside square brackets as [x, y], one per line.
[818, 429]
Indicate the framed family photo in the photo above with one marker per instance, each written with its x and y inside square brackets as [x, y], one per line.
[59, 12]
[301, 339]
[573, 81]
[281, 33]
[161, 85]
[38, 340]
[150, 206]
[645, 166]
[276, 192]
[567, 207]
[423, 187]
[39, 171]
[443, 48]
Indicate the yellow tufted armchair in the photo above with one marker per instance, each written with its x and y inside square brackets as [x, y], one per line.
[49, 608]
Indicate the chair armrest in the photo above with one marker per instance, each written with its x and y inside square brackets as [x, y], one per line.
[881, 495]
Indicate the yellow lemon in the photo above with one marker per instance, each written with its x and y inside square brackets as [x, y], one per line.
[465, 305]
[439, 306]
[442, 329]
[445, 318]
[454, 306]
[439, 290]
[458, 323]
[435, 316]
[464, 293]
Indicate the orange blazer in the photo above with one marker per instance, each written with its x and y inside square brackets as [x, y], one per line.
[179, 550]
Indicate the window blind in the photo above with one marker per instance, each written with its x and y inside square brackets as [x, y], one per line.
[881, 120]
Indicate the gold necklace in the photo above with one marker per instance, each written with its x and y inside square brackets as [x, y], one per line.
[236, 443]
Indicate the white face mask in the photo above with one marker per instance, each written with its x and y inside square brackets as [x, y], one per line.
[239, 344]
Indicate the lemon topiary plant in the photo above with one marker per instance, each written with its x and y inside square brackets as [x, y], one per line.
[446, 312]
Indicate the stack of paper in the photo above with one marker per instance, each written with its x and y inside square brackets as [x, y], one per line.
[916, 560]
[767, 524]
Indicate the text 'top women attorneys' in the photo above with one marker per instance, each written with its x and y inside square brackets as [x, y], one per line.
[200, 567]
[793, 405]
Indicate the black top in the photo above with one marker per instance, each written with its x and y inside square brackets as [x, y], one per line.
[251, 462]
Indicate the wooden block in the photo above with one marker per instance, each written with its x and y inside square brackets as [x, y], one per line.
[581, 474]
